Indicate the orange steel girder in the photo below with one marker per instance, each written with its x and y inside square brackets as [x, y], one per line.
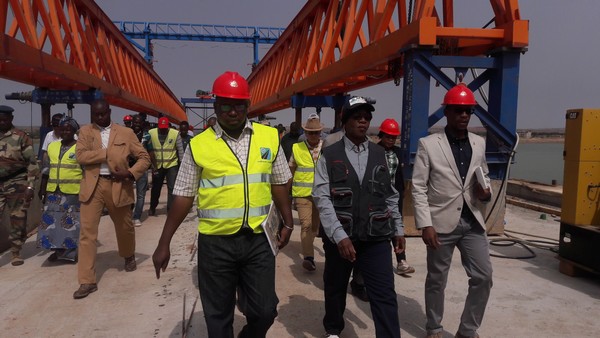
[334, 47]
[73, 45]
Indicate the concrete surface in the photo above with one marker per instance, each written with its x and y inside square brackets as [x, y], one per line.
[530, 298]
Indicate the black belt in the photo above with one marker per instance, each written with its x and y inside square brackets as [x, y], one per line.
[243, 231]
[12, 175]
[106, 177]
[246, 231]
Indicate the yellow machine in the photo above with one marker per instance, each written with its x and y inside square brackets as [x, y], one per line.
[580, 218]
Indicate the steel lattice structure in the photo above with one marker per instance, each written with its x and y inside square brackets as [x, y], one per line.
[73, 45]
[149, 31]
[334, 47]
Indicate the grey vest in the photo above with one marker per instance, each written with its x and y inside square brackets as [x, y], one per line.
[360, 208]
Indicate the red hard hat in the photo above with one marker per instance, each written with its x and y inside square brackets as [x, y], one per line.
[460, 95]
[231, 85]
[163, 123]
[127, 118]
[390, 127]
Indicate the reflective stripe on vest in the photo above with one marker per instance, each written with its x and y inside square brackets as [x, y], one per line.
[233, 179]
[65, 173]
[230, 196]
[304, 176]
[232, 213]
[165, 153]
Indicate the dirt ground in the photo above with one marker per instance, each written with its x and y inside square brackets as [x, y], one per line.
[530, 298]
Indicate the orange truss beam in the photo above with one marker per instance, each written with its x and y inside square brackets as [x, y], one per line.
[334, 47]
[73, 45]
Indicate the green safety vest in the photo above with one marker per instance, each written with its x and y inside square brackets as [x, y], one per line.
[165, 153]
[65, 172]
[304, 176]
[230, 196]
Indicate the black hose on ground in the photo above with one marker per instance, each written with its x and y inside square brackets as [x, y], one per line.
[545, 243]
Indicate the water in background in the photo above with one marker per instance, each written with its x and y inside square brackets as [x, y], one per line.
[535, 162]
[539, 162]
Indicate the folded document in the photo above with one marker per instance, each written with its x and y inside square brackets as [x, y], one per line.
[481, 178]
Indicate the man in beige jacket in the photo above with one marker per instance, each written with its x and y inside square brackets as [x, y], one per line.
[449, 207]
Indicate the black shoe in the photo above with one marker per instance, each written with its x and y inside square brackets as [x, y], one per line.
[309, 264]
[53, 257]
[84, 290]
[359, 291]
[130, 264]
[16, 259]
[152, 212]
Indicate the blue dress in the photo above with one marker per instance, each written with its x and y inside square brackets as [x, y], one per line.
[59, 228]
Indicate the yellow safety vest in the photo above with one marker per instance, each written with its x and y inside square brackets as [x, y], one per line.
[65, 172]
[165, 153]
[304, 176]
[230, 196]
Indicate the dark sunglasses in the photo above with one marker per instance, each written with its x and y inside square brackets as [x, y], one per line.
[460, 110]
[239, 108]
[358, 116]
[312, 132]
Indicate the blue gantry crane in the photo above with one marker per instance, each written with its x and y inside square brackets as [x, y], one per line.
[148, 31]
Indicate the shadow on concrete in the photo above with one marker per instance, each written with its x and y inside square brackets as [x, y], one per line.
[161, 209]
[303, 317]
[28, 250]
[197, 326]
[47, 264]
[111, 260]
[412, 317]
[190, 217]
[293, 251]
[195, 276]
[545, 265]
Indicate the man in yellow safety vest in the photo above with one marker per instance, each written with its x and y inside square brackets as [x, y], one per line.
[164, 146]
[235, 168]
[302, 164]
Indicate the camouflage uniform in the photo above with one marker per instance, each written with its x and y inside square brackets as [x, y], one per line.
[18, 170]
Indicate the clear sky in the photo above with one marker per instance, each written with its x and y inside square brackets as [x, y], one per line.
[560, 70]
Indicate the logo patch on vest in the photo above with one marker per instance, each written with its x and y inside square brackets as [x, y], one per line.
[266, 154]
[72, 156]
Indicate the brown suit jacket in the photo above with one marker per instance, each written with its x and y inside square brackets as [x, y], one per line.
[122, 143]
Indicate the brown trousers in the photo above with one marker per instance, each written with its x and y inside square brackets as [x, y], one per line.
[309, 222]
[91, 211]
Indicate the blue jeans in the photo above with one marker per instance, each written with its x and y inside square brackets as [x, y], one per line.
[141, 186]
[157, 183]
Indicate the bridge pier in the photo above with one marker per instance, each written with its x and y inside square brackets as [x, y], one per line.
[501, 69]
[497, 114]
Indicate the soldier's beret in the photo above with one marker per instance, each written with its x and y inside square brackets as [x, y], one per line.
[6, 109]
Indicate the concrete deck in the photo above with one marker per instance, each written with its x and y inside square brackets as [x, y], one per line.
[530, 298]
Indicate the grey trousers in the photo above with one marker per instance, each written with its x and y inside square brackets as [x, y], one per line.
[471, 241]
